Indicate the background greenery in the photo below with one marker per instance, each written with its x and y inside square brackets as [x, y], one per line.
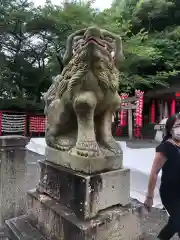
[31, 39]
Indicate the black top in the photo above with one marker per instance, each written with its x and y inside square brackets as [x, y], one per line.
[170, 180]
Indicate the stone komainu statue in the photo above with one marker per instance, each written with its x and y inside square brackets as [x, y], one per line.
[81, 101]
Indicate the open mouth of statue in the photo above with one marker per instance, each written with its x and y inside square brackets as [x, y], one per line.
[95, 41]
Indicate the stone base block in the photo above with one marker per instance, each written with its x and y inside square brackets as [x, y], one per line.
[21, 229]
[12, 141]
[83, 164]
[12, 176]
[86, 195]
[57, 222]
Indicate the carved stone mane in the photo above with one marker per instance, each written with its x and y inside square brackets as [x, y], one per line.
[81, 101]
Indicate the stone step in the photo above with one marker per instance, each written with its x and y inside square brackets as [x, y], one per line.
[21, 229]
[150, 237]
[58, 222]
[4, 234]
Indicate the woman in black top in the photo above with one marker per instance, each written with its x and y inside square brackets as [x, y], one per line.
[167, 158]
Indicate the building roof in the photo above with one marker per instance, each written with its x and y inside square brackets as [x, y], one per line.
[163, 92]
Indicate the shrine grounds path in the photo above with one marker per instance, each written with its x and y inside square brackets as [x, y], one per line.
[150, 224]
[137, 144]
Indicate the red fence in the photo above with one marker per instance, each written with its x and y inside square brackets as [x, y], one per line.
[12, 122]
[21, 123]
[37, 124]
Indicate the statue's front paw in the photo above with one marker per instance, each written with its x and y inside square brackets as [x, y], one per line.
[112, 146]
[87, 149]
[65, 143]
[63, 147]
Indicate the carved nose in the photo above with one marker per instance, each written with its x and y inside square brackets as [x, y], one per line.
[93, 32]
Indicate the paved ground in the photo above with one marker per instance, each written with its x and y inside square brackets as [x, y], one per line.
[135, 144]
[153, 223]
[150, 224]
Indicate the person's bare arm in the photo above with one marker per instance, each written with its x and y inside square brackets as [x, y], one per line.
[158, 163]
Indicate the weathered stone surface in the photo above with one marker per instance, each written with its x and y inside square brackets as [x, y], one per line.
[86, 195]
[21, 229]
[80, 103]
[12, 176]
[4, 234]
[13, 141]
[57, 222]
[84, 164]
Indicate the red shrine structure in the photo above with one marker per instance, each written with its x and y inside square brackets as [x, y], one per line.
[130, 114]
[152, 107]
[162, 103]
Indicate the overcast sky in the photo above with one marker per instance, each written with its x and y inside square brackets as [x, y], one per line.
[101, 4]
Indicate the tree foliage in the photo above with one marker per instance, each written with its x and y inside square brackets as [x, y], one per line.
[32, 40]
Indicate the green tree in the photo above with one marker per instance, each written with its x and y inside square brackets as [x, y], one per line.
[150, 41]
[33, 40]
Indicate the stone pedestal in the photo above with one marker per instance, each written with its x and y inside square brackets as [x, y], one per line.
[58, 222]
[83, 164]
[12, 176]
[71, 205]
[85, 194]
